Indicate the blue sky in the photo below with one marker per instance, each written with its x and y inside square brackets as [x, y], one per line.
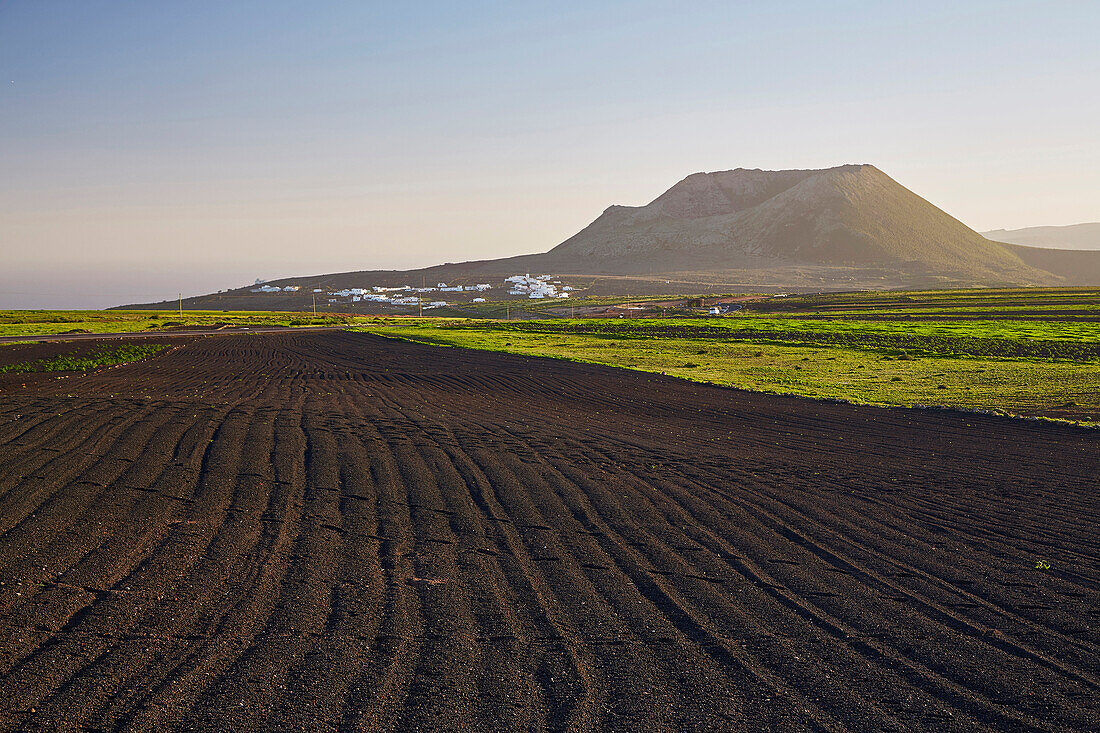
[148, 148]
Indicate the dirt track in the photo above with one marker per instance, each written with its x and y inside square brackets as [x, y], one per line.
[339, 532]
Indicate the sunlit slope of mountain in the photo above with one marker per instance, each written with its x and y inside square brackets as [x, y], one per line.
[1075, 236]
[850, 216]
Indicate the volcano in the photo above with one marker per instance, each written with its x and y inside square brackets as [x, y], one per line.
[842, 228]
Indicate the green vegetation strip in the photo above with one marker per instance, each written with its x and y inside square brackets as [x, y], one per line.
[45, 322]
[943, 300]
[1000, 339]
[1050, 388]
[104, 357]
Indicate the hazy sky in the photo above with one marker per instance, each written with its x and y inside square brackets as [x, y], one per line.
[154, 147]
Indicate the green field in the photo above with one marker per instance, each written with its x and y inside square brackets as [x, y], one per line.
[1022, 368]
[1039, 302]
[1078, 303]
[1033, 352]
[44, 322]
[103, 357]
[1069, 340]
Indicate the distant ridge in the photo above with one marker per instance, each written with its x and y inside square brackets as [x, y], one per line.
[742, 230]
[1074, 236]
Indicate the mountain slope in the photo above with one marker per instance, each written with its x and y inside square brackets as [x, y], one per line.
[850, 216]
[743, 230]
[1075, 236]
[1072, 266]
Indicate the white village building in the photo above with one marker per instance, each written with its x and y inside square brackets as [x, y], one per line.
[533, 287]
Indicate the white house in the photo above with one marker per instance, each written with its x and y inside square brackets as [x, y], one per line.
[532, 287]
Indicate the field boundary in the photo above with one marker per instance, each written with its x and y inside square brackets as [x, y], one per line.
[426, 341]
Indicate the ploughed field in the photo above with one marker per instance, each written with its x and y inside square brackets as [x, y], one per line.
[342, 532]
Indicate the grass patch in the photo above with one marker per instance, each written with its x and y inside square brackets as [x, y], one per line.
[1017, 385]
[109, 356]
[47, 323]
[1004, 339]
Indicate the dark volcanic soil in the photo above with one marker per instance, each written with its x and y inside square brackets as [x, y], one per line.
[339, 532]
[20, 353]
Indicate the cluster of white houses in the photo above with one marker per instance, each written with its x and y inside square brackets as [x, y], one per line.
[406, 294]
[539, 286]
[277, 289]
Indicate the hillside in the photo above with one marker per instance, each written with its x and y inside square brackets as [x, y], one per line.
[849, 227]
[852, 216]
[1075, 236]
[1073, 266]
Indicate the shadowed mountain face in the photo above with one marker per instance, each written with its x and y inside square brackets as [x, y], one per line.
[853, 215]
